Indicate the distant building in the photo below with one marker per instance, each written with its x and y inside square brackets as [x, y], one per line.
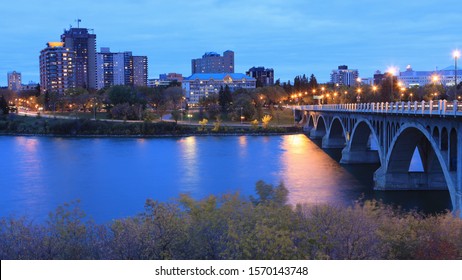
[344, 76]
[30, 86]
[202, 85]
[378, 77]
[158, 83]
[445, 77]
[14, 81]
[83, 44]
[212, 62]
[171, 77]
[140, 70]
[264, 76]
[56, 68]
[120, 68]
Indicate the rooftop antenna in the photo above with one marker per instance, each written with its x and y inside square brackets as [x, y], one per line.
[78, 22]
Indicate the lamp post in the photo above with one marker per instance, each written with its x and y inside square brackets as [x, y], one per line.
[392, 72]
[456, 55]
[241, 115]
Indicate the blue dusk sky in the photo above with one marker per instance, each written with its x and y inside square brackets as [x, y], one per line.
[292, 37]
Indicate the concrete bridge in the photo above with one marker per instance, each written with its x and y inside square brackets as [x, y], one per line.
[390, 134]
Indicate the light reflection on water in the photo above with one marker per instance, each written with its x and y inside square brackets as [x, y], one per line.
[311, 175]
[113, 177]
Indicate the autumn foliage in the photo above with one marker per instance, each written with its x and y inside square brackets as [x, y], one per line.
[232, 227]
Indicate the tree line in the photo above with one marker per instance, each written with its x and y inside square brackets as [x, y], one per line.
[233, 227]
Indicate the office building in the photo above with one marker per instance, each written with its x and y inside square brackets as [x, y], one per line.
[344, 76]
[264, 76]
[212, 62]
[201, 85]
[444, 76]
[14, 81]
[56, 68]
[83, 44]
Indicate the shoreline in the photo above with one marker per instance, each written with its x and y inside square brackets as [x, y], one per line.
[147, 136]
[15, 125]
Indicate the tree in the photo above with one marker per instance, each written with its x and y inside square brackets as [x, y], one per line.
[266, 120]
[176, 115]
[313, 83]
[124, 94]
[4, 106]
[225, 99]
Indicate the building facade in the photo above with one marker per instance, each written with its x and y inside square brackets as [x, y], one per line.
[212, 62]
[264, 76]
[14, 81]
[201, 85]
[83, 44]
[140, 70]
[120, 68]
[171, 77]
[56, 68]
[344, 76]
[446, 77]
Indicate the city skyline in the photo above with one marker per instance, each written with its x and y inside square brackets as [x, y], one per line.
[292, 38]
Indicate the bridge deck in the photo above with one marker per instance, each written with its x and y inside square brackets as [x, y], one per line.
[429, 108]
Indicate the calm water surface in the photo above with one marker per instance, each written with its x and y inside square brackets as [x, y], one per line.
[113, 177]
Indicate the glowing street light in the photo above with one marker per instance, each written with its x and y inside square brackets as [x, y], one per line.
[456, 55]
[392, 72]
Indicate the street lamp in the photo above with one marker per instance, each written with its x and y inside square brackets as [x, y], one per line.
[391, 71]
[456, 55]
[358, 97]
[241, 116]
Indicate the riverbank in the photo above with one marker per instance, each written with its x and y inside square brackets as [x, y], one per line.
[28, 125]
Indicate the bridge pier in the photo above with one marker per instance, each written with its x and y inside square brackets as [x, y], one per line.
[333, 142]
[386, 180]
[317, 134]
[357, 156]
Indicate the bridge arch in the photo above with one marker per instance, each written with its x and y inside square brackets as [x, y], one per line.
[394, 174]
[320, 127]
[336, 134]
[363, 146]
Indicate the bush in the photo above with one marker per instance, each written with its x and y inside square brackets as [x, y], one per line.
[231, 227]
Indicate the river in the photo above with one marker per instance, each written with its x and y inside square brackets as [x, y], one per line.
[112, 177]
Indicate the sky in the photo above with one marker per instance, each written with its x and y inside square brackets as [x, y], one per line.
[292, 37]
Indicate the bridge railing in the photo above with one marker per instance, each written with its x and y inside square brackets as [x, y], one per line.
[432, 107]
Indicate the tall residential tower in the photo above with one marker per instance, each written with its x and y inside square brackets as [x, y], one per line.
[121, 68]
[56, 68]
[14, 81]
[83, 44]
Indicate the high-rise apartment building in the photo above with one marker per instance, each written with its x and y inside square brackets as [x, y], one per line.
[140, 70]
[56, 68]
[14, 81]
[344, 76]
[83, 44]
[120, 68]
[264, 76]
[212, 62]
